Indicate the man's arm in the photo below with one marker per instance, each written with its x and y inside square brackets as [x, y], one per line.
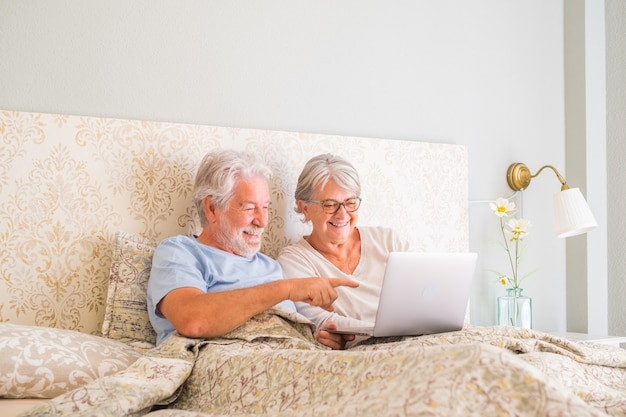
[197, 314]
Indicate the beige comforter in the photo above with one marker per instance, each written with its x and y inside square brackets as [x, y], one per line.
[272, 366]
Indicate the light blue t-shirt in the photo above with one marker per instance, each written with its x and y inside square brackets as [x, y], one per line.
[182, 261]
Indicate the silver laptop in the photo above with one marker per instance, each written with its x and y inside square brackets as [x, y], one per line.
[422, 293]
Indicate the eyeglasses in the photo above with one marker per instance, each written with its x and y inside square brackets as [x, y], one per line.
[332, 206]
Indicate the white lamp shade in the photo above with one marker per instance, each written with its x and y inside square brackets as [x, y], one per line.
[572, 215]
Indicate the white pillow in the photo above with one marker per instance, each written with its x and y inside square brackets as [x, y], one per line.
[43, 362]
[126, 313]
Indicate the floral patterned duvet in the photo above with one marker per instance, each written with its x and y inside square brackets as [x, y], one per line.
[272, 366]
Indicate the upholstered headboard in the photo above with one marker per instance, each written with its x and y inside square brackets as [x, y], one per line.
[69, 183]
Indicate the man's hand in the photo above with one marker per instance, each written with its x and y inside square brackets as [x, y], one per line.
[333, 340]
[318, 292]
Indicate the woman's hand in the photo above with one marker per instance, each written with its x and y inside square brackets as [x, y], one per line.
[334, 341]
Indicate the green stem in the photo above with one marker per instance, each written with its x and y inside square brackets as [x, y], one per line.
[516, 259]
[508, 252]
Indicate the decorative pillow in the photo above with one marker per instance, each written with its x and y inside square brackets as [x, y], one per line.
[43, 362]
[126, 313]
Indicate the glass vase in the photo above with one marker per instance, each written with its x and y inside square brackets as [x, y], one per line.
[515, 309]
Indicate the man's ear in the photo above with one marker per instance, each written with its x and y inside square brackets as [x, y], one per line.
[209, 209]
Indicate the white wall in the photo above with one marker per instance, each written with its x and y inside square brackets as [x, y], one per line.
[616, 149]
[487, 74]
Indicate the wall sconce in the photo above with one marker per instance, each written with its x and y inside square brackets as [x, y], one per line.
[572, 215]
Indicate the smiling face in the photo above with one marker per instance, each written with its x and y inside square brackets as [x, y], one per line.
[240, 224]
[330, 228]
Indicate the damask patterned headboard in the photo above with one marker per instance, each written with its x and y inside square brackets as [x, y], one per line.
[69, 183]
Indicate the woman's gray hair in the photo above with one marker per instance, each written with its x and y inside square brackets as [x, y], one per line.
[320, 169]
[217, 174]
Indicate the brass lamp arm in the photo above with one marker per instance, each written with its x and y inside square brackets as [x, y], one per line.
[518, 176]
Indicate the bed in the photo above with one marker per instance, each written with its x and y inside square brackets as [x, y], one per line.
[84, 202]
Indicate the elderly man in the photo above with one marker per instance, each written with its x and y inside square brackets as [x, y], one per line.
[209, 285]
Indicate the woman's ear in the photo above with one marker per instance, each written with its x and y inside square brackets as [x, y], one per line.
[304, 208]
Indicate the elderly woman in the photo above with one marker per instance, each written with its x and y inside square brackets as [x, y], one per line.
[328, 196]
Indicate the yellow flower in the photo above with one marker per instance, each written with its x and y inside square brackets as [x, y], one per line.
[502, 207]
[514, 230]
[518, 228]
